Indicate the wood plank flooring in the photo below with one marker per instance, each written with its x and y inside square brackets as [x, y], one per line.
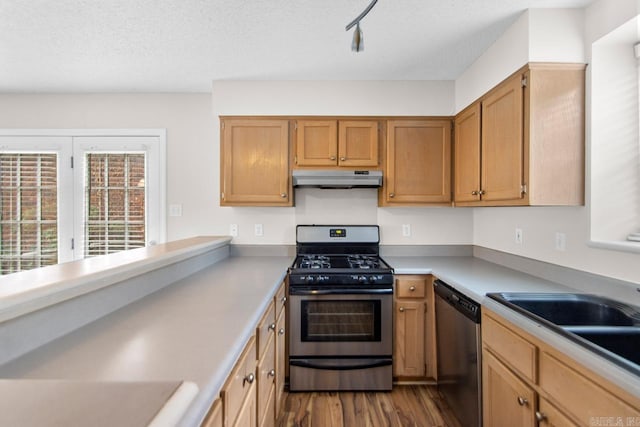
[406, 405]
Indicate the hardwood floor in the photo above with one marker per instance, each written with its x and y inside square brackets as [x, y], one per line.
[406, 405]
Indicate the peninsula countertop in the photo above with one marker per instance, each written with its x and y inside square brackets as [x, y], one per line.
[194, 329]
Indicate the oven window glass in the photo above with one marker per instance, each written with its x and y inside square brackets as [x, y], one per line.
[340, 320]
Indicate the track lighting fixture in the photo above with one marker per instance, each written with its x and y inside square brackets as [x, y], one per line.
[357, 45]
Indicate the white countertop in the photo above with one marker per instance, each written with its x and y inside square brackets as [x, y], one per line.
[54, 403]
[193, 330]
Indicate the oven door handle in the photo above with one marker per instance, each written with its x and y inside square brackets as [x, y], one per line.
[341, 291]
[343, 366]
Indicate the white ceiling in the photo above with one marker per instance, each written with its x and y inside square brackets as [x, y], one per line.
[183, 45]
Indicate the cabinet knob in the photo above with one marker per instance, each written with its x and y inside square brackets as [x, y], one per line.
[272, 327]
[392, 195]
[412, 288]
[342, 159]
[481, 192]
[540, 416]
[332, 158]
[272, 373]
[249, 379]
[281, 331]
[474, 193]
[283, 195]
[522, 401]
[283, 300]
[401, 309]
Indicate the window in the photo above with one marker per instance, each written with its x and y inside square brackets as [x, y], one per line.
[72, 197]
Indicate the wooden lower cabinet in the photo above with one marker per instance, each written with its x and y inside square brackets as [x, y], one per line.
[508, 401]
[214, 417]
[414, 330]
[527, 382]
[253, 394]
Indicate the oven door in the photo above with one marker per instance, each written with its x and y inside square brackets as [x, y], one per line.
[336, 323]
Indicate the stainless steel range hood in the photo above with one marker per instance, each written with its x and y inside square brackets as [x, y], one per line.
[337, 178]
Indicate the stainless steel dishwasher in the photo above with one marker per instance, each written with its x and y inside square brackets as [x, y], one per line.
[459, 349]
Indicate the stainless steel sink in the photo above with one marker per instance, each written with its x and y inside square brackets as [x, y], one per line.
[607, 327]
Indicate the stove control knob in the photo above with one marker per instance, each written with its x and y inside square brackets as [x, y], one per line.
[309, 279]
[362, 279]
[372, 279]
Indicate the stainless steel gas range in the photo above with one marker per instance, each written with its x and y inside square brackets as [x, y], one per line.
[341, 298]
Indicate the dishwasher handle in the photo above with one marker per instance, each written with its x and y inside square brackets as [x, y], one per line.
[457, 300]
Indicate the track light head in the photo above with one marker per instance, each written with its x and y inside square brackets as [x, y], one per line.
[357, 45]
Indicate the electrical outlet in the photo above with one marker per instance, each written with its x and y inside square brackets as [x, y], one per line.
[233, 230]
[561, 242]
[257, 228]
[175, 210]
[406, 230]
[519, 236]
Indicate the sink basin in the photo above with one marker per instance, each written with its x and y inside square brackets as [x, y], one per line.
[571, 309]
[621, 341]
[604, 326]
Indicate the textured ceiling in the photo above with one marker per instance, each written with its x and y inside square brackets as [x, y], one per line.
[183, 45]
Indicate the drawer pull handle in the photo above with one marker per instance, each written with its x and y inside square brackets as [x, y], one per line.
[281, 331]
[401, 309]
[272, 327]
[540, 416]
[412, 288]
[522, 401]
[248, 379]
[272, 373]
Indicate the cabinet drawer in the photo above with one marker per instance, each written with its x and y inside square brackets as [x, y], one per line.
[510, 347]
[411, 287]
[266, 329]
[266, 378]
[240, 383]
[280, 300]
[581, 397]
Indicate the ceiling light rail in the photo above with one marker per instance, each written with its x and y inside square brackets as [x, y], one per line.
[358, 39]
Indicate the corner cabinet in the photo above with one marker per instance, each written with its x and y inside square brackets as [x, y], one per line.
[337, 143]
[254, 162]
[527, 382]
[523, 143]
[417, 163]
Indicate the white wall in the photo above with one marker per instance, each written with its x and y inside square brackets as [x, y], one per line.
[190, 147]
[315, 206]
[494, 227]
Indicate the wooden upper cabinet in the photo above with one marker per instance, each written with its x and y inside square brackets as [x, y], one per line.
[418, 163]
[255, 163]
[317, 143]
[530, 134]
[342, 143]
[502, 142]
[467, 154]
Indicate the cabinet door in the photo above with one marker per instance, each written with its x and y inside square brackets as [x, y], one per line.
[255, 163]
[280, 362]
[418, 164]
[408, 354]
[247, 416]
[549, 416]
[317, 143]
[358, 143]
[214, 417]
[502, 142]
[467, 155]
[507, 401]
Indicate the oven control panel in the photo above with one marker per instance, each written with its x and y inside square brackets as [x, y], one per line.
[337, 232]
[340, 279]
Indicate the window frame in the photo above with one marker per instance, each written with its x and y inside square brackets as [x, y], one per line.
[66, 143]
